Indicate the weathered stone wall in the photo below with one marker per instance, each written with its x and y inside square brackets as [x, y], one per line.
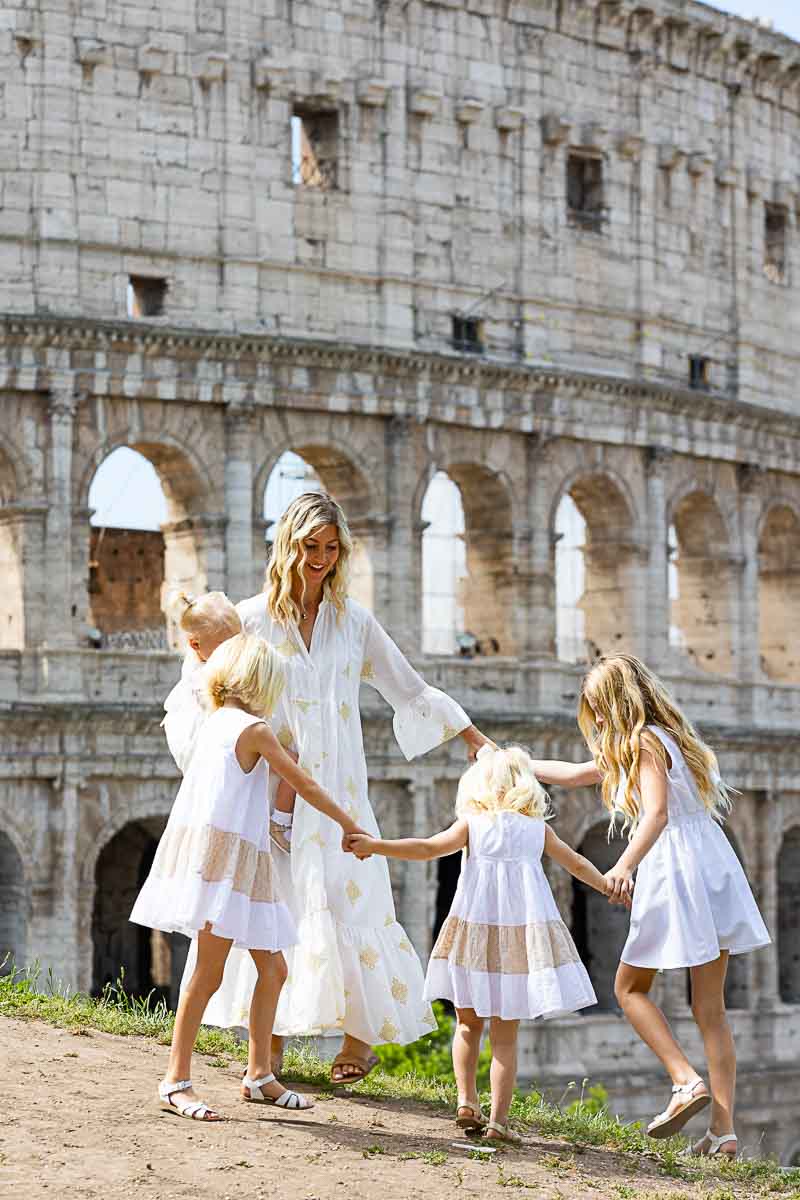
[154, 143]
[126, 576]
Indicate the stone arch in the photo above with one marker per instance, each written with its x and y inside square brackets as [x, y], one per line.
[702, 611]
[186, 551]
[599, 928]
[488, 558]
[12, 605]
[779, 592]
[345, 477]
[788, 907]
[147, 960]
[14, 903]
[598, 566]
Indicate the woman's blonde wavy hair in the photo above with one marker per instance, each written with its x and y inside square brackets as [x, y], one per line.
[210, 613]
[247, 669]
[627, 696]
[502, 780]
[304, 515]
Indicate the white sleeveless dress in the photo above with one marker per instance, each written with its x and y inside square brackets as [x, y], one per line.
[504, 950]
[213, 863]
[691, 899]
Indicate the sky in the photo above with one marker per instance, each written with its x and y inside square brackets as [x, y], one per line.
[784, 14]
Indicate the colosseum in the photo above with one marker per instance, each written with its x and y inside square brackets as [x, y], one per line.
[532, 257]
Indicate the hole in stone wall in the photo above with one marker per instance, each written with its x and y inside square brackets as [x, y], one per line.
[315, 148]
[468, 335]
[585, 189]
[444, 569]
[703, 585]
[146, 296]
[699, 372]
[570, 532]
[775, 230]
[13, 907]
[779, 595]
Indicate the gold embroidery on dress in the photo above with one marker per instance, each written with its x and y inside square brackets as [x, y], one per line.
[287, 648]
[505, 949]
[388, 1032]
[448, 732]
[285, 737]
[318, 840]
[344, 710]
[399, 990]
[350, 787]
[353, 891]
[367, 670]
[388, 921]
[316, 961]
[369, 958]
[346, 671]
[303, 705]
[405, 945]
[216, 855]
[428, 1018]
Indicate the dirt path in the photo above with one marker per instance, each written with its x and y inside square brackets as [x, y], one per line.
[82, 1121]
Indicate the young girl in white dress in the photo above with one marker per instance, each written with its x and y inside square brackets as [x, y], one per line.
[503, 952]
[692, 905]
[206, 622]
[212, 873]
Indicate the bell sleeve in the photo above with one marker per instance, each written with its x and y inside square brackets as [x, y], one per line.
[424, 717]
[184, 717]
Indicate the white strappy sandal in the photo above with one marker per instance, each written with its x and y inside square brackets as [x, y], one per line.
[173, 1101]
[469, 1116]
[715, 1145]
[668, 1123]
[287, 1098]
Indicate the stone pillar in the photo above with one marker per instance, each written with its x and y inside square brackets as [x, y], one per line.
[239, 560]
[371, 578]
[68, 901]
[535, 599]
[60, 632]
[24, 527]
[402, 606]
[419, 890]
[765, 993]
[746, 639]
[657, 604]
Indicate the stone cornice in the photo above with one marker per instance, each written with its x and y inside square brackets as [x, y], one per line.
[542, 388]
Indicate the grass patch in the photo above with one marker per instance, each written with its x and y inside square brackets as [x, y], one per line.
[583, 1122]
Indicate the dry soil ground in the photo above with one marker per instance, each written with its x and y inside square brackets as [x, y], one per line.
[81, 1120]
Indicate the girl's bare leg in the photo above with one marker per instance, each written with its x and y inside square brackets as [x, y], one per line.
[503, 1073]
[708, 1010]
[212, 952]
[271, 970]
[466, 1051]
[631, 988]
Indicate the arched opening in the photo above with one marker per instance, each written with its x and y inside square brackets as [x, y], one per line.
[701, 608]
[444, 566]
[13, 907]
[323, 469]
[737, 981]
[147, 960]
[788, 908]
[597, 580]
[599, 929]
[467, 563]
[144, 544]
[779, 595]
[12, 614]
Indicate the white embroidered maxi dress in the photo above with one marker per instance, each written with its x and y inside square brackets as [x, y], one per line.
[354, 967]
[213, 863]
[503, 949]
[691, 899]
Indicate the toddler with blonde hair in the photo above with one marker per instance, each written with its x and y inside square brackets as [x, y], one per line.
[212, 875]
[503, 952]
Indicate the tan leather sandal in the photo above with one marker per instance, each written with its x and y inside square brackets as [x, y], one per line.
[671, 1122]
[362, 1066]
[495, 1132]
[469, 1116]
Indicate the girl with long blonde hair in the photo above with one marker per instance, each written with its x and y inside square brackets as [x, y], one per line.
[355, 971]
[212, 876]
[503, 953]
[692, 906]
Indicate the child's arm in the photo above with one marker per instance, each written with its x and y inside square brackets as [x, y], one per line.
[414, 849]
[575, 863]
[653, 792]
[284, 797]
[259, 738]
[564, 774]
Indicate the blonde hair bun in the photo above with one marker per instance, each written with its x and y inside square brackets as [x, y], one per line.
[502, 779]
[210, 613]
[244, 668]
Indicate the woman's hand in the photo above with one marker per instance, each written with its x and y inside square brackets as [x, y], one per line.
[475, 739]
[360, 844]
[619, 884]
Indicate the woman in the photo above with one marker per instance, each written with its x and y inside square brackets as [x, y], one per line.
[354, 970]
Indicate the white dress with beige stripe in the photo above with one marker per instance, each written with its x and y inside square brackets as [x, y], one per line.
[213, 864]
[504, 950]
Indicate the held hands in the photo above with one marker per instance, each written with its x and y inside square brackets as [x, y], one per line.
[619, 885]
[475, 741]
[360, 844]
